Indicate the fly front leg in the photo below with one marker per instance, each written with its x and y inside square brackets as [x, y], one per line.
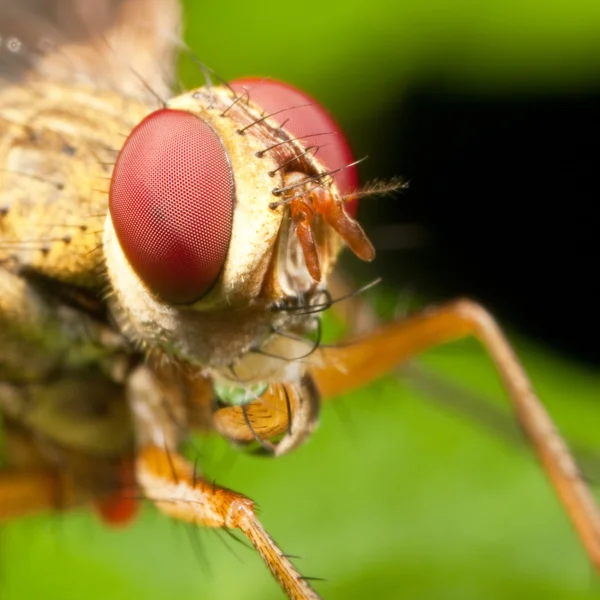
[174, 485]
[350, 366]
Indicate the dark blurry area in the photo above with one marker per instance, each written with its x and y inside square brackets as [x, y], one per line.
[503, 194]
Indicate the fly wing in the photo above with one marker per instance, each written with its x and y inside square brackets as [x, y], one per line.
[75, 77]
[127, 46]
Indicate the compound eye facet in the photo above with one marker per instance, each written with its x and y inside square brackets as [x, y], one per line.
[171, 203]
[312, 121]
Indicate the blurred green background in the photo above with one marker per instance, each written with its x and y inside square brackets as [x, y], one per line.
[394, 496]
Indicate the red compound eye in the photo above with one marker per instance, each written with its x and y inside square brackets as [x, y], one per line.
[334, 153]
[171, 203]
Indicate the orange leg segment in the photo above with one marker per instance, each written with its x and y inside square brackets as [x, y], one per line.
[26, 492]
[42, 477]
[174, 487]
[351, 366]
[29, 491]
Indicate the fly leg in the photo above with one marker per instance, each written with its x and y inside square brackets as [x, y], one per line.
[350, 366]
[63, 453]
[31, 491]
[28, 485]
[177, 489]
[42, 477]
[172, 484]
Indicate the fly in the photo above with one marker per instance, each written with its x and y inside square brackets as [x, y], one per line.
[164, 263]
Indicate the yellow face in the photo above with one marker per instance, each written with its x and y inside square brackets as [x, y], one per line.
[262, 265]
